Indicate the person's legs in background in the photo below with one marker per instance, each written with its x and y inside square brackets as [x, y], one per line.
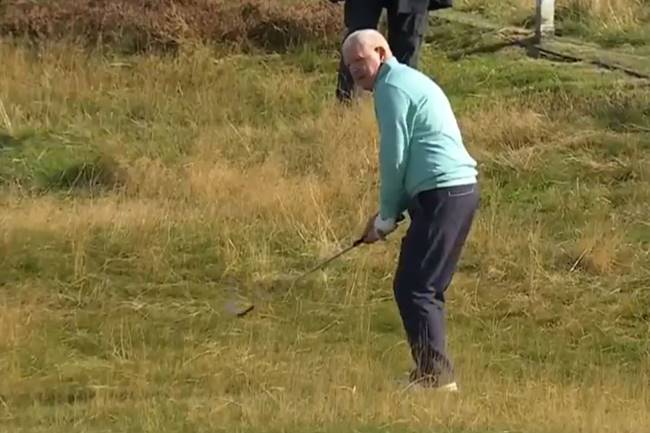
[357, 15]
[405, 33]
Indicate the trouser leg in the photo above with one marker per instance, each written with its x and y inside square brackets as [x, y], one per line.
[405, 33]
[440, 222]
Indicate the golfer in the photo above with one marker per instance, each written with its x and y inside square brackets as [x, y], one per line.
[424, 170]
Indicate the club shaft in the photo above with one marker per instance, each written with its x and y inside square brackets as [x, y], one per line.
[337, 255]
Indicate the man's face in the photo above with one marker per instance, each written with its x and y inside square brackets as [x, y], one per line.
[363, 63]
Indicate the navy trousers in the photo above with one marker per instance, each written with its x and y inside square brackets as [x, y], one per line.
[440, 222]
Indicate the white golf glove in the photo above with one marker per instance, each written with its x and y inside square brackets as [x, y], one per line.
[383, 227]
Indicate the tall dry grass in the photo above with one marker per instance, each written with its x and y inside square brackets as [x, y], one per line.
[237, 175]
[619, 13]
[591, 16]
[167, 25]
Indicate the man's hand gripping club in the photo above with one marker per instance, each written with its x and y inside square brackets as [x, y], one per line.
[378, 228]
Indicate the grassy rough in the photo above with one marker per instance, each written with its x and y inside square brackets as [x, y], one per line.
[170, 25]
[167, 25]
[237, 173]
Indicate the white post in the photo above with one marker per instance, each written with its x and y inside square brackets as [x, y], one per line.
[544, 19]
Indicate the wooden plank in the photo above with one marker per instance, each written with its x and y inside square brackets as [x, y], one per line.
[469, 19]
[564, 47]
[637, 66]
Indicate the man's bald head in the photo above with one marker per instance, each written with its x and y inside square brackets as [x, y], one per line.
[363, 53]
[365, 40]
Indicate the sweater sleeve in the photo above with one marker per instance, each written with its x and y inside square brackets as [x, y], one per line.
[392, 107]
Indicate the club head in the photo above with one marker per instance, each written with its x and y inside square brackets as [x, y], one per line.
[236, 305]
[237, 308]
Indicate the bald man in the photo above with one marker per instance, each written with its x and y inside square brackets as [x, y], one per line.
[426, 171]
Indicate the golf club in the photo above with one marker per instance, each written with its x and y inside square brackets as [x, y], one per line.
[337, 255]
[355, 244]
[236, 310]
[242, 312]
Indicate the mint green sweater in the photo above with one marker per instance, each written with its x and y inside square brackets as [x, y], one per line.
[421, 146]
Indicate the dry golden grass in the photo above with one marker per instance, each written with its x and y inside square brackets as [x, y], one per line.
[174, 26]
[168, 25]
[242, 173]
[619, 13]
[611, 21]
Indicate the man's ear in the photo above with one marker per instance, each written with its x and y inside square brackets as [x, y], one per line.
[381, 51]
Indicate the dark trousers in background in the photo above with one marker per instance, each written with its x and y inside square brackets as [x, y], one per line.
[405, 33]
[440, 222]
